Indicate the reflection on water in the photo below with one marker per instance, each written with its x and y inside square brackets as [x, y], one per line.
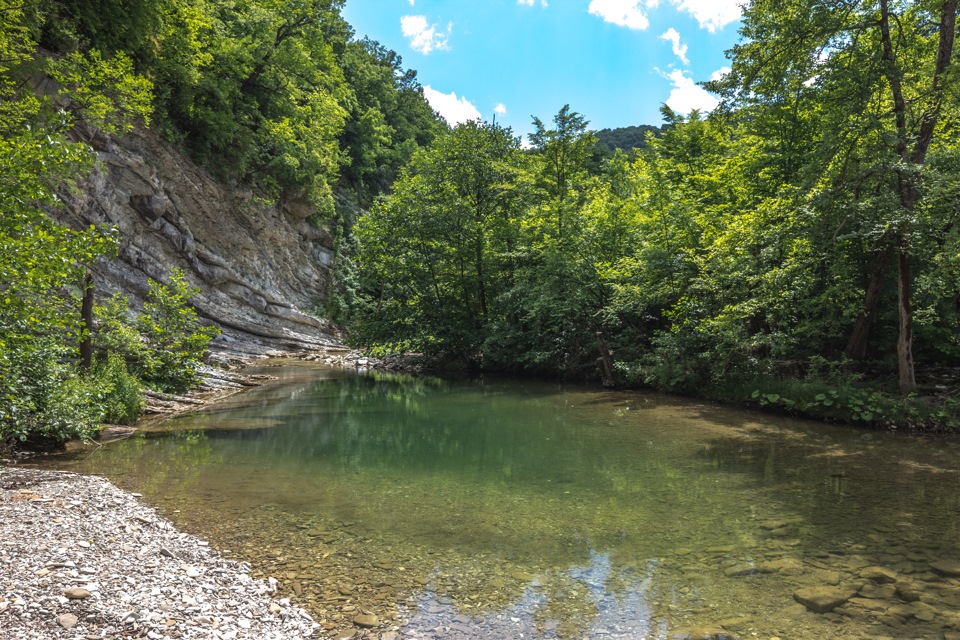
[498, 508]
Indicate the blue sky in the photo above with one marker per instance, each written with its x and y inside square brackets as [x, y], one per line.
[613, 61]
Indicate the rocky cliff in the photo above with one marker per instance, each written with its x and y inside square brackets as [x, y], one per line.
[260, 267]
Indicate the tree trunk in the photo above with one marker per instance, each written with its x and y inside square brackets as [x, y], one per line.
[86, 319]
[908, 381]
[606, 362]
[909, 175]
[860, 336]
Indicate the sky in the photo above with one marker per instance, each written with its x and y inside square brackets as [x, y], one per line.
[613, 61]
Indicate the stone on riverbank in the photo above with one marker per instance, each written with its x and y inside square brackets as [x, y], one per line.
[115, 581]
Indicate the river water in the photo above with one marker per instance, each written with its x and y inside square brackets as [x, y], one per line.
[516, 509]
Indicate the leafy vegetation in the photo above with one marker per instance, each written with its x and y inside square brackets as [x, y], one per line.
[270, 94]
[164, 343]
[812, 217]
[809, 223]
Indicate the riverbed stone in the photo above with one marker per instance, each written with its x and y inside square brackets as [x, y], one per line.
[880, 575]
[366, 620]
[878, 591]
[949, 568]
[783, 566]
[740, 570]
[76, 593]
[703, 633]
[823, 599]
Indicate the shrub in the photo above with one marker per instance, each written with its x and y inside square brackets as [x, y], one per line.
[164, 343]
[121, 398]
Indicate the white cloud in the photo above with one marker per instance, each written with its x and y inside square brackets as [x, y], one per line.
[530, 3]
[412, 2]
[712, 14]
[680, 50]
[623, 13]
[719, 73]
[453, 109]
[687, 95]
[500, 109]
[424, 37]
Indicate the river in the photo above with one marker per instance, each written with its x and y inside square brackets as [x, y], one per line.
[501, 508]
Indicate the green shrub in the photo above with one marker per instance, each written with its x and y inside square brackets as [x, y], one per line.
[121, 398]
[164, 343]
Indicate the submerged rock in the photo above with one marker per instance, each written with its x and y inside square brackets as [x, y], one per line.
[740, 570]
[366, 620]
[949, 568]
[880, 575]
[703, 633]
[823, 599]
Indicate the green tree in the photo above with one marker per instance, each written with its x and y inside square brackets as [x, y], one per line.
[880, 74]
[42, 263]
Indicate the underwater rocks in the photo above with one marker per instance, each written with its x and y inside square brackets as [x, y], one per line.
[823, 599]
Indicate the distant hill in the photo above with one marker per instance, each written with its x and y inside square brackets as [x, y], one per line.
[625, 138]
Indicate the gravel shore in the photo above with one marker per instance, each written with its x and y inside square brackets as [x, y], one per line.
[82, 559]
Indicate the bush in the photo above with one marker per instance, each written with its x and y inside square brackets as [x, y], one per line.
[121, 398]
[163, 345]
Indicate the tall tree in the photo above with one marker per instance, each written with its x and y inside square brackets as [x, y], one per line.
[879, 72]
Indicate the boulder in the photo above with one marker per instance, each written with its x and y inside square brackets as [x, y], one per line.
[823, 599]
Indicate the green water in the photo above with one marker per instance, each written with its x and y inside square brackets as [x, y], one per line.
[508, 509]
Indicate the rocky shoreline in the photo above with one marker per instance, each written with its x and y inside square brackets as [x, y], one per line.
[84, 560]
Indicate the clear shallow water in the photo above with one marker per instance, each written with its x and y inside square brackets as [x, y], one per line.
[504, 508]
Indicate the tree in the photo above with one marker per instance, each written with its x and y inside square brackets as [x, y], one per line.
[435, 256]
[880, 73]
[42, 263]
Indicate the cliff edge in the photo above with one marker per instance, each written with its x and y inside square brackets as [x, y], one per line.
[260, 267]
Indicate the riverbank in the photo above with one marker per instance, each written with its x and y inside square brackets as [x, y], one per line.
[80, 558]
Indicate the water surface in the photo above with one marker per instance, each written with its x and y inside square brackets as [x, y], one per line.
[508, 509]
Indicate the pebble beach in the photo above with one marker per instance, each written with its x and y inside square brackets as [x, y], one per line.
[84, 560]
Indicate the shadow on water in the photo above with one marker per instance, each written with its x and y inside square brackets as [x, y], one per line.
[494, 508]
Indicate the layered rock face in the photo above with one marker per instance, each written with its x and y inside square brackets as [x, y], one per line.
[260, 267]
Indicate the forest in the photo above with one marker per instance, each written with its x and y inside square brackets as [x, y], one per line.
[795, 249]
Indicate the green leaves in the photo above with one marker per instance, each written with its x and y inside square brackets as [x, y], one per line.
[164, 343]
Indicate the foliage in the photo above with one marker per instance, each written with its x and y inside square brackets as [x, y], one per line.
[812, 215]
[626, 138]
[42, 263]
[121, 398]
[164, 343]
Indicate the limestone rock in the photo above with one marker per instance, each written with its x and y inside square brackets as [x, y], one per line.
[67, 620]
[258, 265]
[823, 599]
[366, 620]
[881, 575]
[76, 593]
[947, 567]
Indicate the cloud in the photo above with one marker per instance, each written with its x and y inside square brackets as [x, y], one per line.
[424, 37]
[623, 13]
[530, 3]
[712, 14]
[500, 109]
[687, 95]
[719, 73]
[680, 50]
[453, 109]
